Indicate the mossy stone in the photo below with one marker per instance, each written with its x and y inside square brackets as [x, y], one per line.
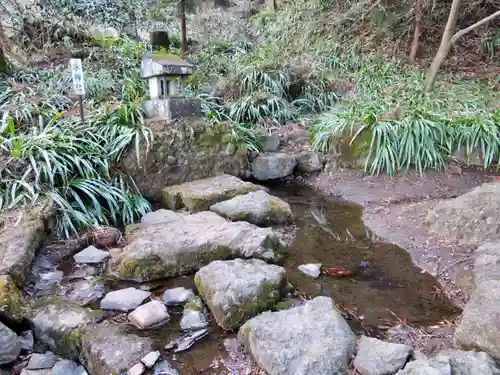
[12, 303]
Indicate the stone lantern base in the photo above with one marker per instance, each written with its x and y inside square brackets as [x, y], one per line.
[173, 108]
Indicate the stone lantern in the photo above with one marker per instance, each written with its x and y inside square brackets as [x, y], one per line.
[166, 91]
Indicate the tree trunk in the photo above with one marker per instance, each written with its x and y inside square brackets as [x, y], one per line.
[416, 34]
[275, 5]
[4, 66]
[444, 47]
[182, 16]
[449, 39]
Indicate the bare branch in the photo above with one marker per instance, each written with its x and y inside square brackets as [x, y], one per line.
[461, 33]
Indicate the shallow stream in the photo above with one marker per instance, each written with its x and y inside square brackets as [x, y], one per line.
[385, 284]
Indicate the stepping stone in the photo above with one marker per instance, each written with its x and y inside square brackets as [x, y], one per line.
[124, 299]
[111, 350]
[377, 357]
[149, 315]
[236, 290]
[199, 195]
[62, 324]
[310, 339]
[257, 207]
[91, 255]
[177, 296]
[168, 244]
[150, 359]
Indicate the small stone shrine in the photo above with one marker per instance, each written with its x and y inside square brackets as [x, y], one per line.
[166, 91]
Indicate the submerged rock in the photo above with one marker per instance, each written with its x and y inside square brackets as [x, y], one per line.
[237, 290]
[311, 269]
[377, 357]
[12, 303]
[480, 323]
[110, 350]
[66, 367]
[168, 244]
[308, 162]
[258, 208]
[62, 324]
[10, 347]
[194, 316]
[199, 195]
[177, 296]
[470, 219]
[164, 368]
[149, 315]
[39, 361]
[91, 255]
[21, 235]
[85, 292]
[124, 299]
[273, 166]
[27, 341]
[310, 339]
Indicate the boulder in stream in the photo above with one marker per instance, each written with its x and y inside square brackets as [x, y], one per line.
[199, 195]
[20, 236]
[377, 357]
[110, 350]
[10, 347]
[168, 244]
[310, 339]
[62, 324]
[273, 166]
[237, 290]
[91, 255]
[257, 207]
[480, 322]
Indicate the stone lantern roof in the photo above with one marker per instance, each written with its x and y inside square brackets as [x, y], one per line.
[156, 64]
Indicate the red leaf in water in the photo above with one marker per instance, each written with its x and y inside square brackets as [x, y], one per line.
[337, 272]
[379, 245]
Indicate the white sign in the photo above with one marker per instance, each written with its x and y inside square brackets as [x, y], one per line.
[77, 74]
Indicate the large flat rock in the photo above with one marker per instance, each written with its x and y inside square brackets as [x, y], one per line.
[20, 237]
[471, 218]
[237, 290]
[199, 195]
[310, 339]
[167, 244]
[110, 350]
[259, 208]
[62, 324]
[480, 323]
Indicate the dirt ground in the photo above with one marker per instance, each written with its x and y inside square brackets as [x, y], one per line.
[395, 209]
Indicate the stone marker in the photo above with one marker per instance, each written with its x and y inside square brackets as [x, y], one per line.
[236, 290]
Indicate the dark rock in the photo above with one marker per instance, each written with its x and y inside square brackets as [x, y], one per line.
[270, 143]
[308, 162]
[40, 361]
[273, 166]
[27, 341]
[10, 347]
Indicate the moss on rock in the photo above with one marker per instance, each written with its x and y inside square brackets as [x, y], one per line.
[12, 303]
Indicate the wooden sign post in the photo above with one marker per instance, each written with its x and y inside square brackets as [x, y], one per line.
[78, 83]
